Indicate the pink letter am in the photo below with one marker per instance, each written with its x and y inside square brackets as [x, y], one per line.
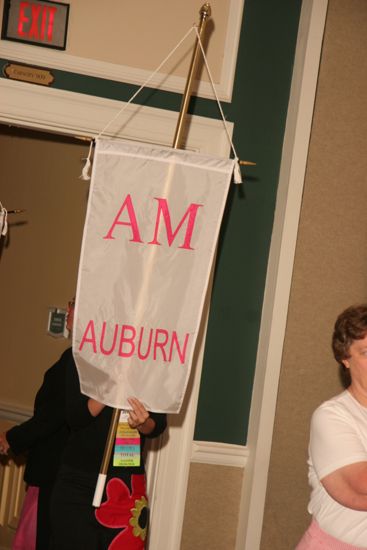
[190, 213]
[133, 223]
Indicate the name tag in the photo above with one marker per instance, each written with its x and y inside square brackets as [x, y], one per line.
[127, 443]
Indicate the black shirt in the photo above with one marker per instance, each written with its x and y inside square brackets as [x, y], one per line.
[45, 434]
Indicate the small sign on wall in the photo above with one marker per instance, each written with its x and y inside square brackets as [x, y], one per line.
[56, 325]
[27, 73]
[42, 23]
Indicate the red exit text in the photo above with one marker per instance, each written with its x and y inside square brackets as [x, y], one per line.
[36, 21]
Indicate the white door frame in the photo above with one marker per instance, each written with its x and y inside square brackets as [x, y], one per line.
[279, 274]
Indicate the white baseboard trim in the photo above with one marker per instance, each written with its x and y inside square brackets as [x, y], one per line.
[219, 454]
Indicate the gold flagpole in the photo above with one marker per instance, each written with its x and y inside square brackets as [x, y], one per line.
[205, 13]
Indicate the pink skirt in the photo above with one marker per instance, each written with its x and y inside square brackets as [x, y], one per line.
[316, 539]
[25, 536]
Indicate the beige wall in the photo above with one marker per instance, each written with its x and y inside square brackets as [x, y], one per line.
[38, 268]
[39, 258]
[160, 29]
[212, 507]
[140, 35]
[330, 270]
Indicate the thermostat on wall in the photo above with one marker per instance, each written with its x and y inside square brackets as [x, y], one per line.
[56, 326]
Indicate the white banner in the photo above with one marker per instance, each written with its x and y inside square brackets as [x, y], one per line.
[150, 234]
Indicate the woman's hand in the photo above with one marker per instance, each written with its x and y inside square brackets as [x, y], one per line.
[139, 417]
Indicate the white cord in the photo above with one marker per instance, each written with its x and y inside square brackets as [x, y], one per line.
[146, 82]
[237, 169]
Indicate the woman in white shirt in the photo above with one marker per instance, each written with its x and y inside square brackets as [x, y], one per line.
[338, 448]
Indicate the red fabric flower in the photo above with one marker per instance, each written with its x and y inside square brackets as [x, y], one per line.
[126, 510]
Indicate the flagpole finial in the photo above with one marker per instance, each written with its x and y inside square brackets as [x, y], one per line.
[206, 10]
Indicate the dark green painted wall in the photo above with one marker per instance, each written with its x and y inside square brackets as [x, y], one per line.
[258, 110]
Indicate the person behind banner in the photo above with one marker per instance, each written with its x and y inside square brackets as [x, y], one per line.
[121, 520]
[338, 447]
[42, 439]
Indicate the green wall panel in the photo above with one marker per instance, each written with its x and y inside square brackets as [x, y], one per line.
[258, 109]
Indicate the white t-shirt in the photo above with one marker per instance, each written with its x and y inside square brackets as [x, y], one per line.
[338, 437]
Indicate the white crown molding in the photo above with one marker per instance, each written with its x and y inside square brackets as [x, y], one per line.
[38, 107]
[35, 55]
[219, 454]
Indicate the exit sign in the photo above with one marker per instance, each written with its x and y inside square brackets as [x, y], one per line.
[41, 23]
